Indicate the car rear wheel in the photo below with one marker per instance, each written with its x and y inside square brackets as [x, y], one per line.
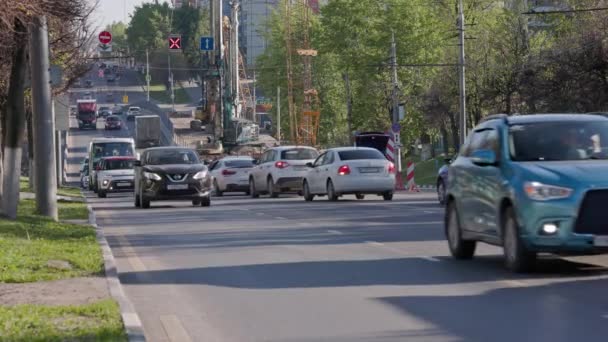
[360, 196]
[331, 191]
[145, 202]
[307, 195]
[206, 201]
[196, 203]
[216, 189]
[388, 196]
[517, 257]
[459, 248]
[101, 194]
[271, 189]
[137, 202]
[252, 192]
[441, 192]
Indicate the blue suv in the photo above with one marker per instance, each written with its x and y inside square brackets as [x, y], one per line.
[530, 183]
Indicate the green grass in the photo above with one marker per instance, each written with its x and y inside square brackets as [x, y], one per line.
[160, 93]
[24, 186]
[28, 243]
[425, 172]
[93, 322]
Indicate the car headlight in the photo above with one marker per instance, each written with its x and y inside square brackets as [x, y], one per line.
[200, 175]
[152, 176]
[543, 192]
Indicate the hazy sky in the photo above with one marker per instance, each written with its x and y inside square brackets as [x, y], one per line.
[114, 10]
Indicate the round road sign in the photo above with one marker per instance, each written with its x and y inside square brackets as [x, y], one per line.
[105, 37]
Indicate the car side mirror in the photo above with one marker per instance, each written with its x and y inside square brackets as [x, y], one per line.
[484, 158]
[448, 160]
[256, 162]
[137, 163]
[311, 165]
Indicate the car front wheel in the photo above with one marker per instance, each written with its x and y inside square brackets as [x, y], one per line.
[331, 191]
[441, 192]
[145, 202]
[388, 196]
[271, 189]
[216, 189]
[252, 191]
[517, 257]
[307, 195]
[206, 201]
[459, 248]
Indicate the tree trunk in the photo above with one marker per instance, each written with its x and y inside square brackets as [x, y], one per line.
[30, 149]
[15, 123]
[454, 129]
[444, 140]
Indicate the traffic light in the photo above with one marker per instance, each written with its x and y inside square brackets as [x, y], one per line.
[175, 42]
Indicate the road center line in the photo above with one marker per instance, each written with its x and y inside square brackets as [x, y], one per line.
[336, 232]
[136, 264]
[174, 329]
[280, 218]
[430, 258]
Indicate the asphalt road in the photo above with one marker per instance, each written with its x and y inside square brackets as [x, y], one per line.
[288, 270]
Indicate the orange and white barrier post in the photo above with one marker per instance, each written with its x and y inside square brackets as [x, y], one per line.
[411, 182]
[390, 155]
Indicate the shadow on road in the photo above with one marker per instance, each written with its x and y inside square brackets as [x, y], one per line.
[559, 312]
[317, 274]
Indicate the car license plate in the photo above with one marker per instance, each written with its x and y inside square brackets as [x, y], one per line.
[177, 187]
[123, 184]
[369, 170]
[601, 241]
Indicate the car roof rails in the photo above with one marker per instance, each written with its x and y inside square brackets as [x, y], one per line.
[503, 117]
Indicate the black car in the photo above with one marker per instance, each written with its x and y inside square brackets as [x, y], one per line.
[171, 173]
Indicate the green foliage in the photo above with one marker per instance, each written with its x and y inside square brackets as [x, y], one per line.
[28, 243]
[119, 35]
[98, 321]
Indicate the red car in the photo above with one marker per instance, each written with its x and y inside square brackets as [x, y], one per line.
[113, 122]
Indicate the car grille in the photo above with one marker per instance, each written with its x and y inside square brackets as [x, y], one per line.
[593, 216]
[178, 177]
[114, 184]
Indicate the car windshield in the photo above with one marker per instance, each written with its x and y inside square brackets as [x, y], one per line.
[565, 140]
[112, 118]
[299, 154]
[239, 164]
[119, 164]
[164, 157]
[360, 154]
[110, 149]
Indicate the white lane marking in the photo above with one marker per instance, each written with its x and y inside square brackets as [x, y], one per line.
[335, 232]
[244, 209]
[260, 214]
[280, 218]
[136, 264]
[605, 316]
[304, 224]
[430, 212]
[515, 283]
[174, 329]
[429, 258]
[374, 243]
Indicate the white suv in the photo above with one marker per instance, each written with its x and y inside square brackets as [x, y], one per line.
[280, 169]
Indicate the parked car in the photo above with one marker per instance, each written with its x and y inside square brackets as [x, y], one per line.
[231, 174]
[113, 122]
[114, 174]
[133, 112]
[531, 184]
[349, 170]
[442, 181]
[171, 173]
[280, 169]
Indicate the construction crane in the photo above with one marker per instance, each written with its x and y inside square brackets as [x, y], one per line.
[304, 123]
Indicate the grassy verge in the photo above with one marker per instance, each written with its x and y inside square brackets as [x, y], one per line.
[160, 93]
[28, 243]
[93, 322]
[426, 171]
[24, 186]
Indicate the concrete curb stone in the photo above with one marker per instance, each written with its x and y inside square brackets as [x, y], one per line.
[130, 318]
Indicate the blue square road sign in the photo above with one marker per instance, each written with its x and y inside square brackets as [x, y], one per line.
[206, 43]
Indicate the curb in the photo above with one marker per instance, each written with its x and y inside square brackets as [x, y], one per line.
[133, 325]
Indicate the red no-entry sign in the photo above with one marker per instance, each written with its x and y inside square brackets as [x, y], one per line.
[105, 37]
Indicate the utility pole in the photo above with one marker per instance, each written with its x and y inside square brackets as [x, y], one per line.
[349, 107]
[44, 154]
[461, 74]
[147, 76]
[279, 115]
[255, 99]
[395, 100]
